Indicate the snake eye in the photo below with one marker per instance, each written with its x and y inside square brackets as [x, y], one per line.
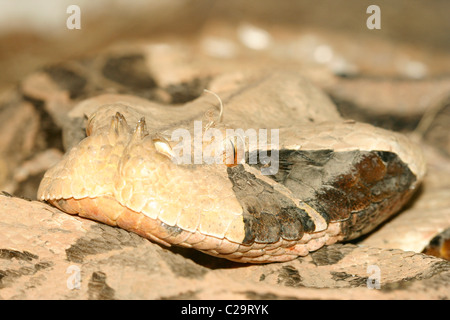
[163, 147]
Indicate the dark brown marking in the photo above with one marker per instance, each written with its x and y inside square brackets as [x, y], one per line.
[395, 122]
[68, 80]
[263, 228]
[98, 289]
[370, 168]
[187, 91]
[359, 198]
[268, 214]
[292, 226]
[387, 194]
[362, 188]
[349, 280]
[101, 238]
[8, 276]
[289, 277]
[438, 270]
[14, 254]
[129, 71]
[329, 255]
[334, 201]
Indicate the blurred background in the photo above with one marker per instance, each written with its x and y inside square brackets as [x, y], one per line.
[167, 51]
[414, 38]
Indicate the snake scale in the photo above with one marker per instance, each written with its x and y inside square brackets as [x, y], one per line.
[336, 179]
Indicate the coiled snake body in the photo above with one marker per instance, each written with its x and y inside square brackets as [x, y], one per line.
[336, 180]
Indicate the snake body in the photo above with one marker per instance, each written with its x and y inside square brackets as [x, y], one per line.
[337, 179]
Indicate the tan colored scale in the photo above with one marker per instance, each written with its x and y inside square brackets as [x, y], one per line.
[112, 165]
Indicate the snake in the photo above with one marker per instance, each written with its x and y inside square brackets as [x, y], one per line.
[336, 179]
